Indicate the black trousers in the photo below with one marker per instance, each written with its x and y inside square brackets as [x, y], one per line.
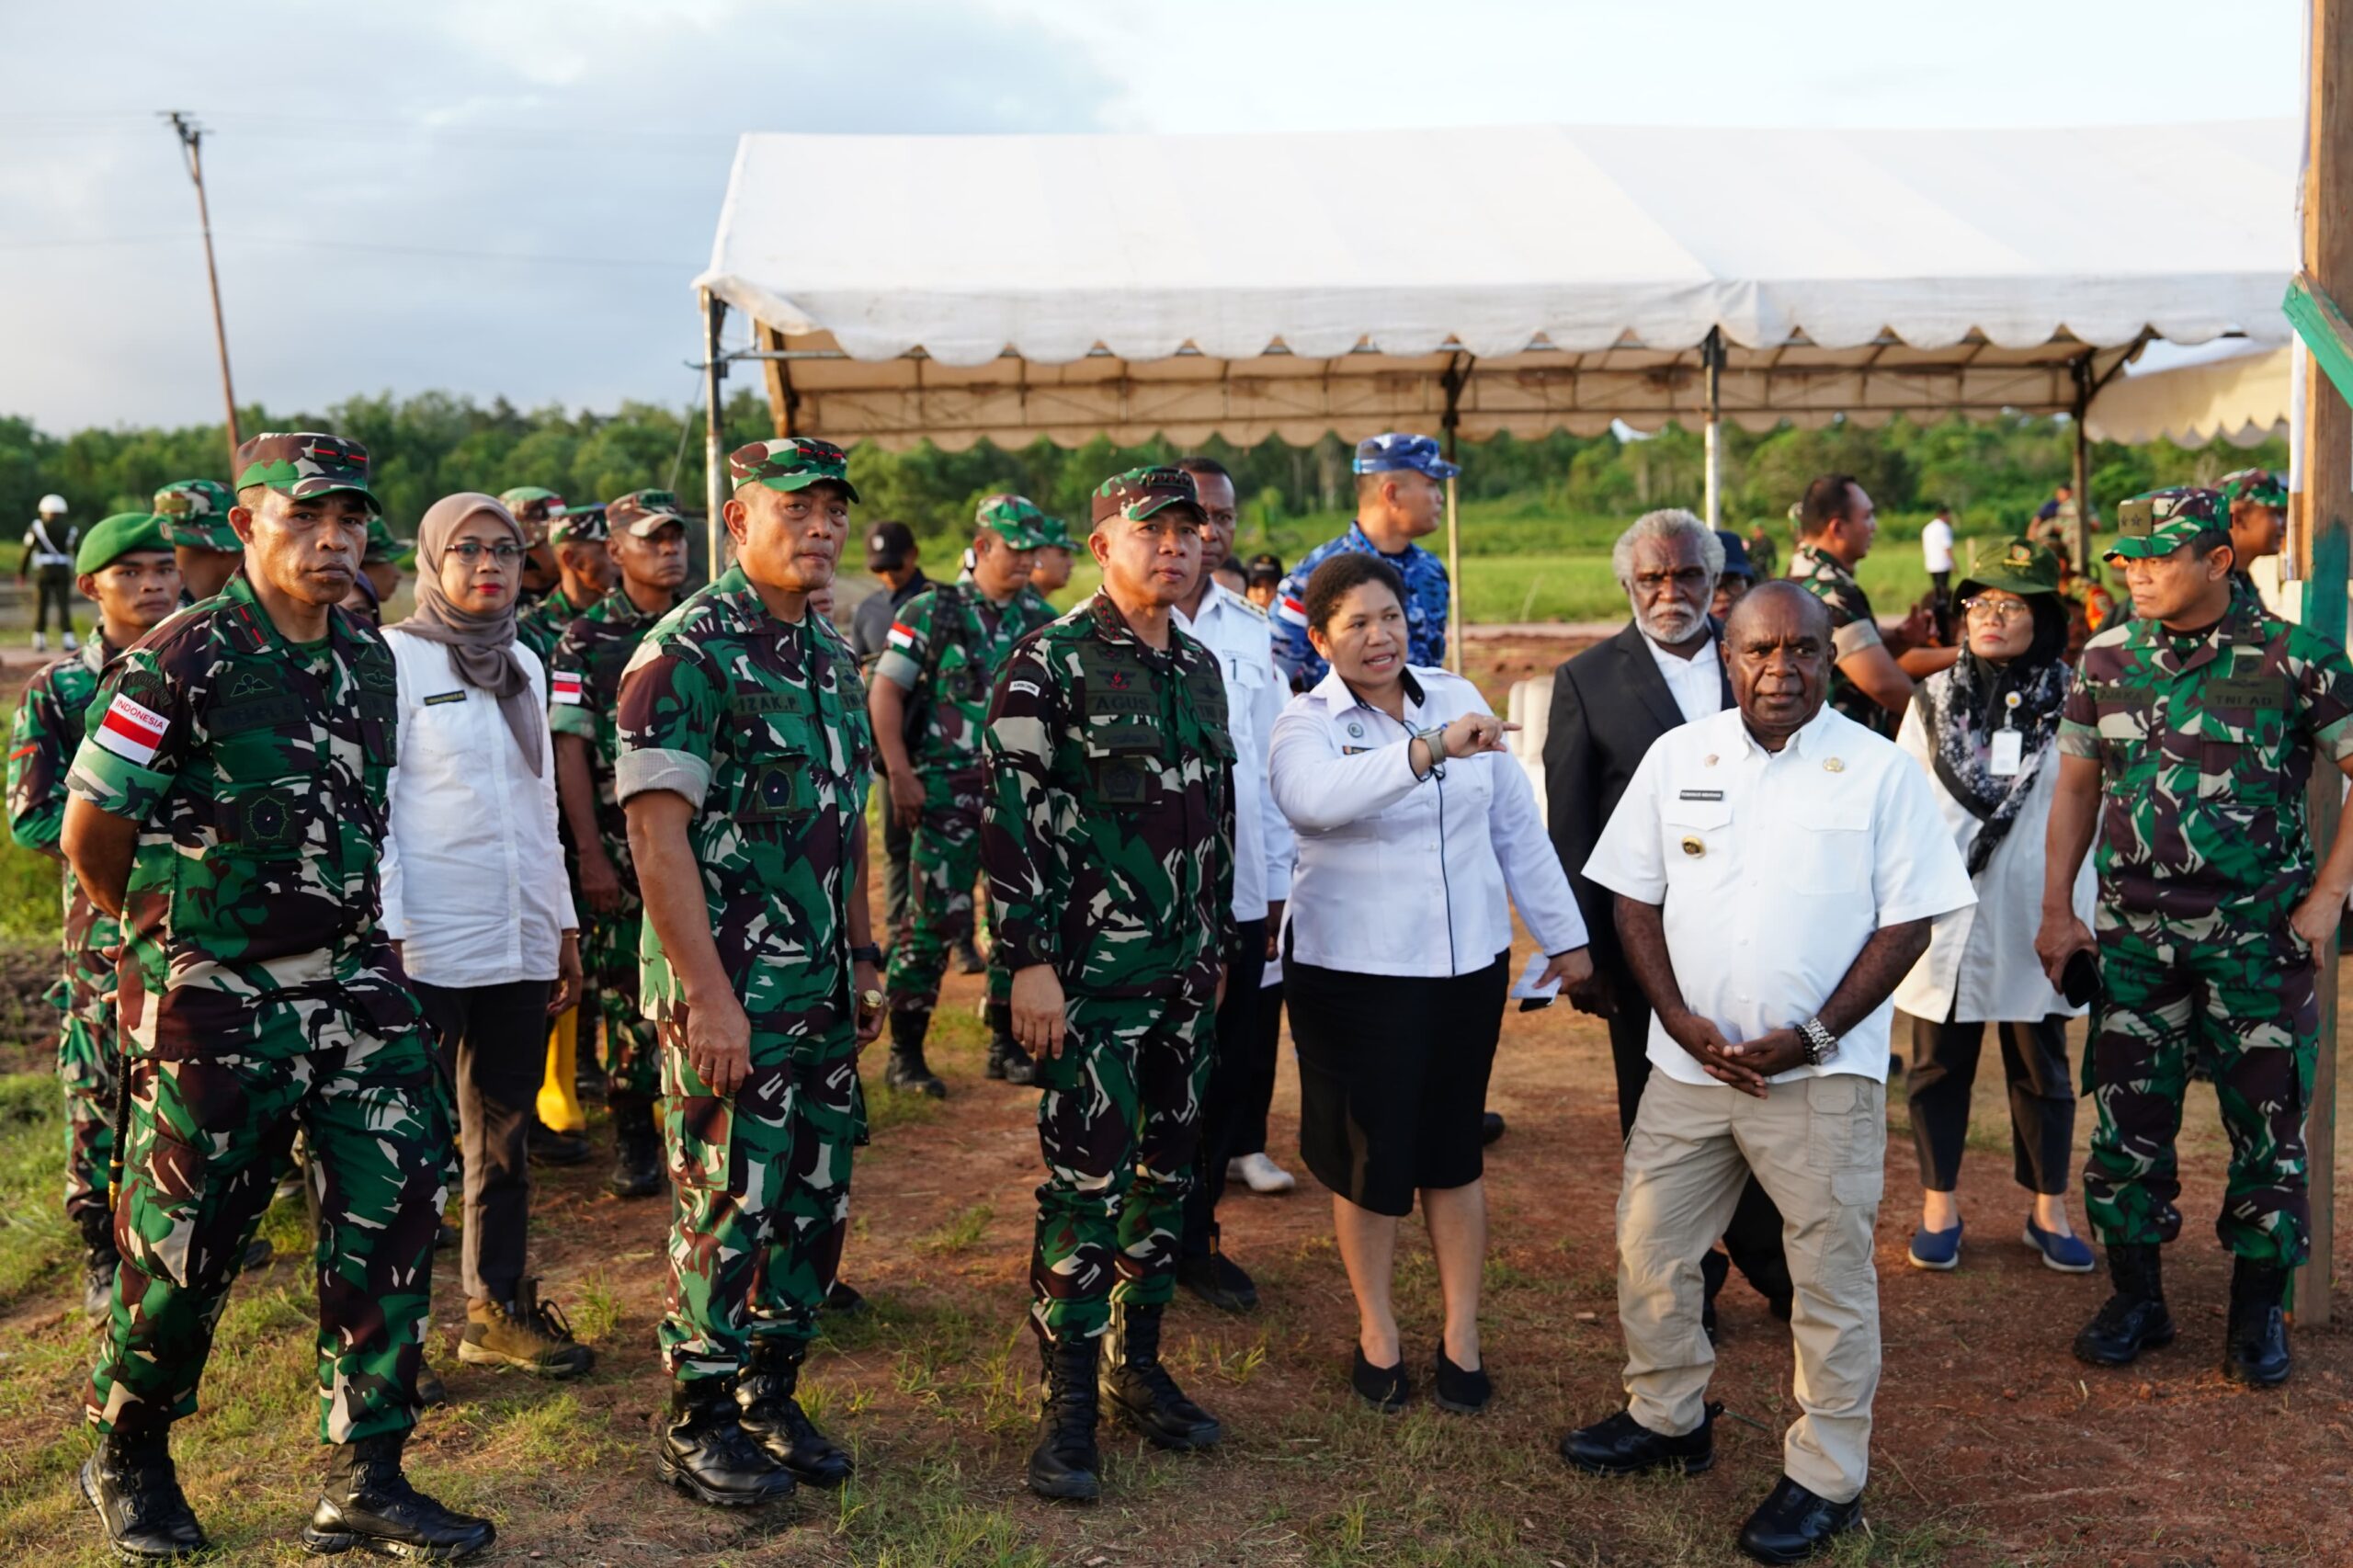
[1754, 1236]
[492, 1040]
[1258, 1068]
[1224, 1104]
[2042, 1099]
[53, 588]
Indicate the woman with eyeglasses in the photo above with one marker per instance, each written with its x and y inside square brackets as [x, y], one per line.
[1985, 730]
[475, 899]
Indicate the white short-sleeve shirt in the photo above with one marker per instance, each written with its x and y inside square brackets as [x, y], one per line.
[1773, 870]
[1936, 545]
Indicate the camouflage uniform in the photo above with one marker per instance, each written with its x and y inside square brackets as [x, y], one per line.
[540, 624]
[946, 647]
[762, 725]
[257, 993]
[1427, 590]
[2205, 745]
[48, 732]
[195, 516]
[1852, 630]
[1108, 834]
[584, 684]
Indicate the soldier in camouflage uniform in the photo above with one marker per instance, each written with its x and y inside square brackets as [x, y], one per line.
[127, 569]
[2255, 504]
[584, 574]
[1108, 834]
[228, 805]
[196, 525]
[1871, 679]
[928, 702]
[648, 543]
[2187, 740]
[1050, 574]
[535, 509]
[745, 765]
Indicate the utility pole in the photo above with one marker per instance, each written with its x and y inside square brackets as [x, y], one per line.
[191, 137]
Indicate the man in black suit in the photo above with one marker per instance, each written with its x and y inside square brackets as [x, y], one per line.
[1608, 704]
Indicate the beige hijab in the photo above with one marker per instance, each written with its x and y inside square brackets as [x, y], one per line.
[481, 646]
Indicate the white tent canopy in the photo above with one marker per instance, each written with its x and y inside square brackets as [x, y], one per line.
[2236, 389]
[1515, 280]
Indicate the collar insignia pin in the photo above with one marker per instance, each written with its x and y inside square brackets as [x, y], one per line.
[1833, 766]
[1356, 729]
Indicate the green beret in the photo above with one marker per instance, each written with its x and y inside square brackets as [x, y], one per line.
[115, 537]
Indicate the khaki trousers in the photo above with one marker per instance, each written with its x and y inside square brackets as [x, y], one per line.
[1818, 1147]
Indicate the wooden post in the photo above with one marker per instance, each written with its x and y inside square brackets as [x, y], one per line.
[191, 137]
[2325, 462]
[714, 439]
[1452, 381]
[2082, 543]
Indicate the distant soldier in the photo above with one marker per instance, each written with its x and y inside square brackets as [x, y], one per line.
[228, 806]
[743, 769]
[381, 560]
[1051, 575]
[1401, 496]
[127, 568]
[892, 555]
[50, 545]
[1764, 553]
[647, 538]
[584, 572]
[2256, 503]
[2187, 741]
[536, 508]
[196, 525]
[1108, 837]
[1871, 677]
[929, 700]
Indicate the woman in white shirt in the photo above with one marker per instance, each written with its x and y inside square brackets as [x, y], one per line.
[475, 900]
[1414, 823]
[1987, 730]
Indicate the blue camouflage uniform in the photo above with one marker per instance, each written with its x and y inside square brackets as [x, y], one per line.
[1426, 588]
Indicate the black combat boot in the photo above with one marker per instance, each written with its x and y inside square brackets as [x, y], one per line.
[2255, 1346]
[1139, 1388]
[370, 1505]
[98, 1262]
[637, 1147]
[130, 1482]
[907, 1070]
[1065, 1465]
[706, 1453]
[769, 1396]
[1007, 1061]
[2132, 1320]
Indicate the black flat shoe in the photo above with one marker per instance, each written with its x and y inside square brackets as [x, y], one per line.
[1386, 1389]
[1793, 1524]
[1462, 1392]
[1491, 1127]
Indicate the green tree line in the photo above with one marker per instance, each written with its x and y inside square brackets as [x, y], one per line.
[1563, 491]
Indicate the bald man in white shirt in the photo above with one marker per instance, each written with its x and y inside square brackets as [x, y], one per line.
[1776, 868]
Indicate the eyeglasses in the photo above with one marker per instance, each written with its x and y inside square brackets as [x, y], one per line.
[1996, 610]
[506, 553]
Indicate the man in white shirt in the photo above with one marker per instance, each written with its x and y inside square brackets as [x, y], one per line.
[1236, 632]
[1777, 869]
[1936, 553]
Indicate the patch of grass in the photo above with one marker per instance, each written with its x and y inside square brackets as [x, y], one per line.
[962, 1230]
[35, 1240]
[596, 1314]
[888, 1108]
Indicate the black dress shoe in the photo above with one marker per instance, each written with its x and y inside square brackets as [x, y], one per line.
[1219, 1280]
[132, 1483]
[1462, 1392]
[1491, 1127]
[1623, 1446]
[1386, 1389]
[1793, 1524]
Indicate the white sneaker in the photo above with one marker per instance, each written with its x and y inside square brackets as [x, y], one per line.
[1263, 1174]
[70, 646]
[40, 641]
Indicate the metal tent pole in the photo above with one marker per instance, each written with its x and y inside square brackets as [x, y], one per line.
[1712, 357]
[714, 445]
[1448, 422]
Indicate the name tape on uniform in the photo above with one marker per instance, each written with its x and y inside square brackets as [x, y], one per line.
[566, 688]
[1703, 795]
[131, 731]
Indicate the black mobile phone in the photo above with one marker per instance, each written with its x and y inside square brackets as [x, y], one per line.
[2079, 981]
[1533, 1004]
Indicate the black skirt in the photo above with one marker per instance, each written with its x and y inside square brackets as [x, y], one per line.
[1393, 1078]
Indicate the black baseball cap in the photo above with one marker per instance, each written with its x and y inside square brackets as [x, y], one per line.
[888, 545]
[1264, 568]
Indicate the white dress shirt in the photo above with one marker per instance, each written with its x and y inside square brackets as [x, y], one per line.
[1696, 684]
[1936, 545]
[1774, 870]
[1981, 966]
[1236, 632]
[473, 872]
[1406, 876]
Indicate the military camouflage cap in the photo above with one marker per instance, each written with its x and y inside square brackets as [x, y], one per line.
[2260, 485]
[1141, 492]
[1015, 520]
[586, 524]
[196, 514]
[116, 537]
[643, 513]
[2162, 521]
[533, 510]
[2015, 565]
[790, 462]
[1053, 533]
[304, 463]
[382, 547]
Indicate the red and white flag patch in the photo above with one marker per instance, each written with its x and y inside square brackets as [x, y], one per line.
[902, 636]
[564, 687]
[131, 731]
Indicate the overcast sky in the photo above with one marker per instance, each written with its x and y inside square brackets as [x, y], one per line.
[512, 195]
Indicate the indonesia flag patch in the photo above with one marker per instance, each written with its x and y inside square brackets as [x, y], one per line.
[131, 732]
[1291, 609]
[902, 636]
[564, 687]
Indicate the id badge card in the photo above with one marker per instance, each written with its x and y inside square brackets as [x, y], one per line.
[2007, 752]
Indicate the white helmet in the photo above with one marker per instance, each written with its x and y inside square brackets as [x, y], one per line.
[53, 505]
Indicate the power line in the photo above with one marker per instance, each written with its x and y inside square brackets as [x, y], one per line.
[361, 246]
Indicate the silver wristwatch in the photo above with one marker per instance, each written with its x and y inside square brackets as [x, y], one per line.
[1435, 738]
[1821, 1045]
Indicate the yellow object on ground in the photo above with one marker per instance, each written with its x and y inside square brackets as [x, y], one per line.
[559, 1108]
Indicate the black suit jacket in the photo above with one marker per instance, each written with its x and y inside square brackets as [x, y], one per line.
[1608, 704]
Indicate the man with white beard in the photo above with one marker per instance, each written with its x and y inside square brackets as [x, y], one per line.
[1609, 703]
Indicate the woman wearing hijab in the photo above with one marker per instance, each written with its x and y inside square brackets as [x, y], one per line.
[1987, 730]
[475, 899]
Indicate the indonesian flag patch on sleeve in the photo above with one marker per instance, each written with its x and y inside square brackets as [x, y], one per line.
[902, 636]
[564, 687]
[131, 731]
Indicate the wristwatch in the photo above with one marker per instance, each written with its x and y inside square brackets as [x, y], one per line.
[871, 954]
[1821, 1045]
[1435, 738]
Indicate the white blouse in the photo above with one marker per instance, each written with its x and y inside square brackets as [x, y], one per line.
[473, 872]
[1406, 876]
